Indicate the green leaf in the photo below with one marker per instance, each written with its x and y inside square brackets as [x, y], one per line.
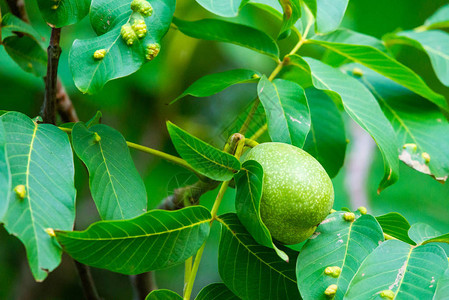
[420, 126]
[62, 13]
[5, 174]
[326, 140]
[204, 158]
[11, 25]
[214, 83]
[163, 295]
[349, 37]
[27, 53]
[95, 120]
[336, 243]
[435, 43]
[328, 13]
[292, 13]
[115, 184]
[249, 186]
[41, 163]
[396, 225]
[90, 74]
[407, 271]
[360, 105]
[224, 8]
[216, 291]
[385, 65]
[252, 271]
[288, 114]
[155, 240]
[440, 19]
[227, 32]
[442, 287]
[421, 232]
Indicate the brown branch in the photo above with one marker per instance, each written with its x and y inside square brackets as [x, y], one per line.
[17, 8]
[143, 284]
[87, 282]
[54, 52]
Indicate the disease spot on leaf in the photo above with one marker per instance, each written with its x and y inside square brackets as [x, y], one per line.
[333, 271]
[140, 28]
[143, 7]
[362, 210]
[331, 290]
[100, 54]
[349, 216]
[152, 51]
[128, 34]
[50, 232]
[387, 294]
[20, 191]
[412, 147]
[426, 157]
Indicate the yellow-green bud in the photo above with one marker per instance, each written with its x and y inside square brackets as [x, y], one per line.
[332, 211]
[128, 34]
[331, 290]
[426, 157]
[333, 271]
[97, 138]
[50, 232]
[362, 210]
[20, 191]
[152, 51]
[140, 28]
[357, 72]
[143, 7]
[349, 216]
[387, 294]
[100, 54]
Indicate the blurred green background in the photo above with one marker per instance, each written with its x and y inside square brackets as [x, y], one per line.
[137, 107]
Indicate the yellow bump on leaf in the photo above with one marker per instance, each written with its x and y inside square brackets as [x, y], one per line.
[255, 76]
[426, 157]
[143, 7]
[20, 191]
[349, 216]
[331, 290]
[410, 146]
[50, 232]
[140, 28]
[332, 211]
[152, 51]
[357, 72]
[100, 54]
[54, 7]
[97, 138]
[362, 210]
[128, 34]
[334, 271]
[387, 294]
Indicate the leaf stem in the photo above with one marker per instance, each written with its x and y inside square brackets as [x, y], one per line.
[187, 272]
[171, 158]
[280, 65]
[196, 264]
[259, 132]
[251, 143]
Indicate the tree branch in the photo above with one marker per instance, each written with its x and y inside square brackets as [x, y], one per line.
[54, 52]
[87, 282]
[63, 104]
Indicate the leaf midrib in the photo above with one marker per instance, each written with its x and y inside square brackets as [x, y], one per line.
[249, 250]
[136, 236]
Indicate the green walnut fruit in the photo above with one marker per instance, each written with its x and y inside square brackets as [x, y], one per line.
[297, 192]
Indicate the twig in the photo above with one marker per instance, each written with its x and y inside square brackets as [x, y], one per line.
[18, 9]
[87, 282]
[143, 284]
[54, 52]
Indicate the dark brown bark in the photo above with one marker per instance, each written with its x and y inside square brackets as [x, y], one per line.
[63, 104]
